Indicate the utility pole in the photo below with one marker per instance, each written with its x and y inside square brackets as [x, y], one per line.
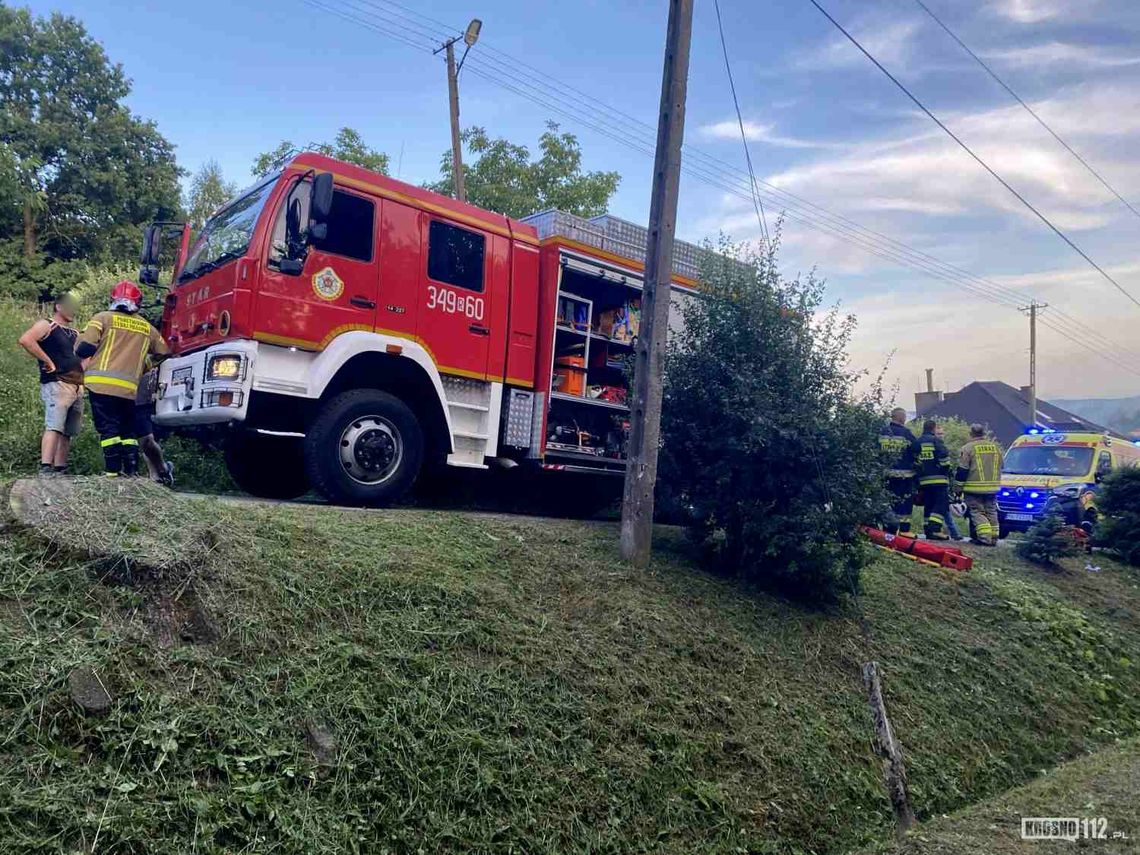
[1032, 310]
[649, 353]
[470, 36]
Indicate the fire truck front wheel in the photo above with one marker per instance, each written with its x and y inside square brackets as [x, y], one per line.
[364, 448]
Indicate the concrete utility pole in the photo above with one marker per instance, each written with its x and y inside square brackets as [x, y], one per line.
[1032, 310]
[649, 354]
[469, 38]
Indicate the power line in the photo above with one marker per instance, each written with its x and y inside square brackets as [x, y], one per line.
[740, 121]
[1028, 109]
[700, 165]
[977, 158]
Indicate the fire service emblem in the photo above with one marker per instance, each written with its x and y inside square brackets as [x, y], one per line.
[327, 285]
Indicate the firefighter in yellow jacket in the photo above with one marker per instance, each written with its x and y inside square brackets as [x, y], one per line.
[979, 474]
[118, 342]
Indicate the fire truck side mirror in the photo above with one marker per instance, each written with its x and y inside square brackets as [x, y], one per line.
[320, 198]
[149, 255]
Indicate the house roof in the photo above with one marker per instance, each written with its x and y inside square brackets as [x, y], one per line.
[1005, 411]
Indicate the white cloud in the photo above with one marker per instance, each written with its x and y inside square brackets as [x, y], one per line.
[1029, 11]
[1056, 53]
[892, 44]
[929, 174]
[729, 129]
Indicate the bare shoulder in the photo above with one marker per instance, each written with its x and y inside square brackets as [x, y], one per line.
[40, 329]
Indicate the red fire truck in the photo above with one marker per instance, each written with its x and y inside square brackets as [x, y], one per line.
[347, 330]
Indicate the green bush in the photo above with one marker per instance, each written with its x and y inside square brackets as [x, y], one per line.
[1048, 540]
[1119, 503]
[37, 279]
[762, 439]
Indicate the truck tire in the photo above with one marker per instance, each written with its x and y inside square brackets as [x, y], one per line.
[270, 467]
[364, 448]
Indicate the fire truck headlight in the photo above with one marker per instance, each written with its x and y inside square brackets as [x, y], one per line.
[225, 366]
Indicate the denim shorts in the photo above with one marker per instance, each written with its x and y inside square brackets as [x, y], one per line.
[63, 407]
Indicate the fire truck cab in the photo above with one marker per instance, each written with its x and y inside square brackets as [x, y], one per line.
[345, 329]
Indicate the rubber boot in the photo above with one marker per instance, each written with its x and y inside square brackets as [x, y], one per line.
[130, 460]
[113, 460]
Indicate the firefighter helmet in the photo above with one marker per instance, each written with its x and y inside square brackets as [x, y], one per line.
[126, 296]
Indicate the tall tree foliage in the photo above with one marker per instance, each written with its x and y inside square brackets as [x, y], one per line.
[763, 441]
[79, 172]
[209, 190]
[348, 146]
[502, 176]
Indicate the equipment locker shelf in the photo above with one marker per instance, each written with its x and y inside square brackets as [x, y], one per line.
[582, 426]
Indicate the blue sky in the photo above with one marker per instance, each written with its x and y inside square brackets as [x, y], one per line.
[228, 80]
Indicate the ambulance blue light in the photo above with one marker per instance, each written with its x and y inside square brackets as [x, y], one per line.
[1034, 495]
[1033, 431]
[1029, 504]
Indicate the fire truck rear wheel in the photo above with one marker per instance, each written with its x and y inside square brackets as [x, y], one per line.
[364, 448]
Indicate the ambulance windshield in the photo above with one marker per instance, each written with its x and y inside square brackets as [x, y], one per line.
[1047, 460]
[226, 234]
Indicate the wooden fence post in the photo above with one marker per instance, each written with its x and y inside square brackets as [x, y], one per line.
[894, 770]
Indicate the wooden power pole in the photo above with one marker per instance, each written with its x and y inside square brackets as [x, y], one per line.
[1032, 310]
[469, 37]
[649, 353]
[456, 151]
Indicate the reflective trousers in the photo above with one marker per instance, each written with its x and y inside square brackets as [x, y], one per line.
[114, 419]
[982, 508]
[902, 504]
[936, 510]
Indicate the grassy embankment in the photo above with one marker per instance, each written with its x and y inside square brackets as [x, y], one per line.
[295, 679]
[1104, 786]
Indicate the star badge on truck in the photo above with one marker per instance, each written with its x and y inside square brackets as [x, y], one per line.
[327, 285]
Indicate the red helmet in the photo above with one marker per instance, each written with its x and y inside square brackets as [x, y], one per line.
[126, 290]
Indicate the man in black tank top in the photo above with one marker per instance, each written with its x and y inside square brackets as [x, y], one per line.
[52, 343]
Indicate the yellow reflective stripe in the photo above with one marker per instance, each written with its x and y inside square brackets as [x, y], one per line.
[114, 440]
[96, 379]
[934, 479]
[130, 442]
[142, 359]
[94, 323]
[107, 347]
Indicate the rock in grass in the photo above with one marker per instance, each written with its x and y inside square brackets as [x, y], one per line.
[321, 742]
[88, 691]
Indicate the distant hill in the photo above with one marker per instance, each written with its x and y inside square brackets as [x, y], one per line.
[1122, 414]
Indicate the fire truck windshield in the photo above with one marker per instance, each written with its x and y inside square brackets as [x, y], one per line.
[226, 234]
[1047, 460]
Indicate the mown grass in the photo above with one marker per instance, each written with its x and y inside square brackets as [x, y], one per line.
[504, 684]
[1102, 786]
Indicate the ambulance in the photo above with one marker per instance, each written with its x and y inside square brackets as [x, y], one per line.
[1052, 471]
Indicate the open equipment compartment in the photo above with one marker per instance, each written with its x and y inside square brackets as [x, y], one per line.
[593, 270]
[597, 319]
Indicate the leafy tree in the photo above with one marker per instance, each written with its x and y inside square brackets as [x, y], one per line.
[956, 433]
[1049, 539]
[348, 146]
[503, 177]
[762, 439]
[81, 173]
[1119, 504]
[209, 190]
